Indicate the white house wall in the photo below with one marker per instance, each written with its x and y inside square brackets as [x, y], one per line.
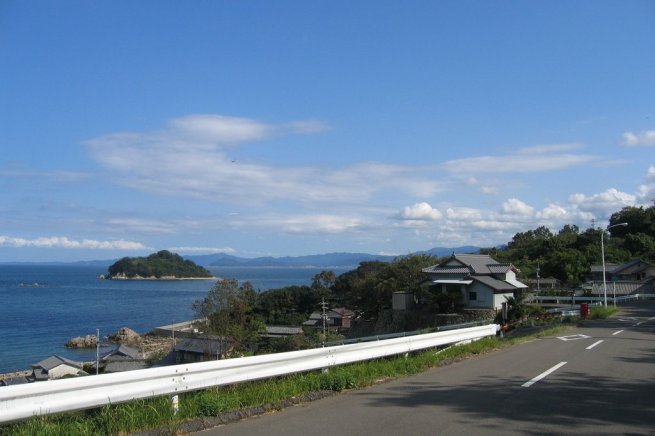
[61, 371]
[499, 299]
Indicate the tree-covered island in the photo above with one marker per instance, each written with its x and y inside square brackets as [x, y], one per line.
[162, 265]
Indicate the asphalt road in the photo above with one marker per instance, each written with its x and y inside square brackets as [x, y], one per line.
[597, 379]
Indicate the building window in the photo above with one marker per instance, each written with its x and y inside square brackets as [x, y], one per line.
[473, 296]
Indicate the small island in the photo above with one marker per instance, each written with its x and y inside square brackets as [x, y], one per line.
[162, 265]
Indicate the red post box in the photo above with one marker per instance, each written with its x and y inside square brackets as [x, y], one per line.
[584, 310]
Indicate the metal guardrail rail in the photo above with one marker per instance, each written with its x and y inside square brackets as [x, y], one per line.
[564, 299]
[442, 328]
[41, 398]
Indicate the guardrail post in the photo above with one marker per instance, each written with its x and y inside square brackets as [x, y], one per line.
[175, 403]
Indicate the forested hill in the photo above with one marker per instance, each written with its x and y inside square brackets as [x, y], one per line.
[568, 254]
[160, 265]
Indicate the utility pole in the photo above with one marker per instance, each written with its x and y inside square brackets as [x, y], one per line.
[324, 316]
[97, 350]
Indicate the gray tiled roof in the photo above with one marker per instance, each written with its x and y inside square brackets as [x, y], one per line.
[200, 346]
[122, 352]
[54, 361]
[495, 284]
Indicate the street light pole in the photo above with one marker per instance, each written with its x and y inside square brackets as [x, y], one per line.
[602, 254]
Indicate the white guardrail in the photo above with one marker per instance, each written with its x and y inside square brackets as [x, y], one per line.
[41, 398]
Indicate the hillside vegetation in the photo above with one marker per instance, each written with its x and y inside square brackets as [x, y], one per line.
[162, 264]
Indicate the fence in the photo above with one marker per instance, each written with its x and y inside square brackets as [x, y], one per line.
[24, 401]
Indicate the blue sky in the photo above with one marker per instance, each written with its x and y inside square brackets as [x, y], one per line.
[260, 128]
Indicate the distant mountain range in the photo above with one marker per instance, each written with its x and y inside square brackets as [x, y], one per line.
[316, 260]
[342, 260]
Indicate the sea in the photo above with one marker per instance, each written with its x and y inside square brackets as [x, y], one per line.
[43, 306]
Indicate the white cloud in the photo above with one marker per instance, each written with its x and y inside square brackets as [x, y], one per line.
[553, 211]
[190, 159]
[514, 206]
[489, 190]
[643, 139]
[420, 211]
[526, 160]
[64, 242]
[463, 213]
[646, 192]
[202, 250]
[319, 224]
[220, 129]
[604, 203]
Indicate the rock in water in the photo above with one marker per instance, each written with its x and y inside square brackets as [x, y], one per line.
[88, 341]
[126, 336]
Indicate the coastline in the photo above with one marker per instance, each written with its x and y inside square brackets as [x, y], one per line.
[162, 278]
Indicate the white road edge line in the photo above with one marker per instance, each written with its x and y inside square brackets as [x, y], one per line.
[542, 375]
[617, 332]
[593, 345]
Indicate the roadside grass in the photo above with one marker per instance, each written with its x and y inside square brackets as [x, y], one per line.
[271, 394]
[601, 312]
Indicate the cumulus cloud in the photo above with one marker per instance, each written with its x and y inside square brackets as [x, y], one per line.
[420, 211]
[526, 160]
[646, 191]
[64, 242]
[606, 202]
[514, 206]
[643, 139]
[553, 211]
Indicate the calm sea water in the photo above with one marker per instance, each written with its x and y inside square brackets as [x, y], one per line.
[41, 307]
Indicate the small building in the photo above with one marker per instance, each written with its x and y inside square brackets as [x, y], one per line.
[19, 380]
[482, 282]
[55, 367]
[274, 331]
[122, 358]
[402, 300]
[337, 319]
[634, 277]
[191, 350]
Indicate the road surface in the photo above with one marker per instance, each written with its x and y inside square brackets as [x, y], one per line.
[597, 379]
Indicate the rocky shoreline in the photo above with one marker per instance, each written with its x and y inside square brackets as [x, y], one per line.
[151, 346]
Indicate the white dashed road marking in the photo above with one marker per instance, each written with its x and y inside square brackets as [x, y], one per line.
[594, 344]
[542, 375]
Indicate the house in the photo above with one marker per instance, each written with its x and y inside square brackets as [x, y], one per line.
[274, 331]
[12, 381]
[337, 319]
[56, 367]
[190, 350]
[481, 281]
[634, 277]
[122, 358]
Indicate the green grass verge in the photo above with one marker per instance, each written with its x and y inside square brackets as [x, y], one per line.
[601, 312]
[157, 412]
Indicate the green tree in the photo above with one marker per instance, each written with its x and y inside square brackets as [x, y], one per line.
[228, 309]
